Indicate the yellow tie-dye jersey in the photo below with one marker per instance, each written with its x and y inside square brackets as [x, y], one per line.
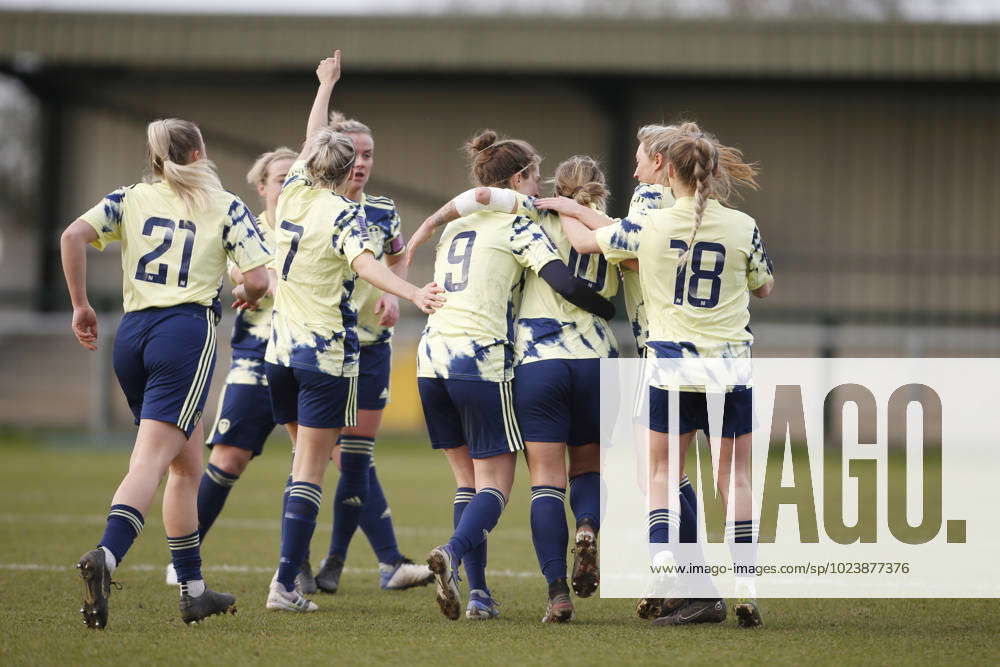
[252, 328]
[386, 234]
[318, 235]
[646, 197]
[170, 255]
[480, 263]
[549, 326]
[703, 309]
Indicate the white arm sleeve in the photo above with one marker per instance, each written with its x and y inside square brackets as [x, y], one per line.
[502, 200]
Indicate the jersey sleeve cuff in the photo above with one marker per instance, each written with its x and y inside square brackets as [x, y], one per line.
[250, 266]
[100, 226]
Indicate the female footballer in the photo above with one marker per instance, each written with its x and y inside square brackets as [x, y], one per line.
[466, 357]
[557, 352]
[312, 357]
[700, 262]
[243, 420]
[355, 449]
[176, 232]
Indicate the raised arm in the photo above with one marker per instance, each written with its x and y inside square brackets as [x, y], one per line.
[574, 290]
[428, 298]
[73, 246]
[328, 73]
[500, 200]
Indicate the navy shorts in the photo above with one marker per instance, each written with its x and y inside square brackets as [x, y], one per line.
[244, 418]
[476, 413]
[164, 358]
[373, 376]
[311, 398]
[559, 400]
[737, 414]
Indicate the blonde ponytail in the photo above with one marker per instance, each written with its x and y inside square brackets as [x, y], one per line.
[713, 169]
[706, 164]
[170, 143]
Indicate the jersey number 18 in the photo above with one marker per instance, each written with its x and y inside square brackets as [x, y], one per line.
[699, 273]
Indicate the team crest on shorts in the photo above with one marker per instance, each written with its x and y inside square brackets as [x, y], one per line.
[223, 426]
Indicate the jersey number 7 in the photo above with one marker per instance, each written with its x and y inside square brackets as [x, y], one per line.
[293, 248]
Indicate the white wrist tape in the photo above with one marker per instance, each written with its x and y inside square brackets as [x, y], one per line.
[502, 200]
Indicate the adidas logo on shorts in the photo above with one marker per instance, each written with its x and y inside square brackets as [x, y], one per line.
[353, 501]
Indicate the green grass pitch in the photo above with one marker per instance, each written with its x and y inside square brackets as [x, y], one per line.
[53, 501]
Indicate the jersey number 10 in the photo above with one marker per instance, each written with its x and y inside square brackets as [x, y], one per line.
[142, 271]
[579, 266]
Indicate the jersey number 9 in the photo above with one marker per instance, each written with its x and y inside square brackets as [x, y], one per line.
[464, 259]
[142, 271]
[699, 273]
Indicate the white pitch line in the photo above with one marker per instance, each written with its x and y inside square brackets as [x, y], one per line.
[238, 569]
[265, 525]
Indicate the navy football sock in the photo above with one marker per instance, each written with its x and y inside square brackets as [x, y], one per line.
[376, 522]
[297, 526]
[468, 543]
[688, 529]
[212, 493]
[352, 492]
[475, 560]
[688, 494]
[185, 552]
[661, 522]
[284, 495]
[549, 532]
[124, 525]
[585, 498]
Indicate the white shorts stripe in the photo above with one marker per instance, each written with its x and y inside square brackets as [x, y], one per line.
[192, 396]
[351, 409]
[190, 406]
[514, 441]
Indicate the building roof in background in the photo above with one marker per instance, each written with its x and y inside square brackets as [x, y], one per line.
[506, 44]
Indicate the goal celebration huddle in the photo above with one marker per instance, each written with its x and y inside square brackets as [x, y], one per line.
[508, 362]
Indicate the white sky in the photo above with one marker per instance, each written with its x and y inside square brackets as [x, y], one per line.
[915, 10]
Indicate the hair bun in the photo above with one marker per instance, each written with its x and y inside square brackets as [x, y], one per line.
[481, 142]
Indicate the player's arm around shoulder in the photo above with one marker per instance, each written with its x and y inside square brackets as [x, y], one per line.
[474, 200]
